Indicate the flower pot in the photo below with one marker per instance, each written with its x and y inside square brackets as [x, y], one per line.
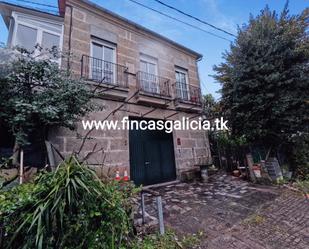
[204, 172]
[257, 171]
[236, 173]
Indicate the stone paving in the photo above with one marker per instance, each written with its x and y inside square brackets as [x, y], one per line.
[232, 213]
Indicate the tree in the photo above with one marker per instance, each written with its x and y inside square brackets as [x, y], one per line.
[212, 108]
[265, 78]
[36, 94]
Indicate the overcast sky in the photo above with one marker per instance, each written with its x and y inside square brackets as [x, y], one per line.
[226, 14]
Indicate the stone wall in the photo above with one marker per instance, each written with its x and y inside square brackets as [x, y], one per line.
[192, 150]
[131, 42]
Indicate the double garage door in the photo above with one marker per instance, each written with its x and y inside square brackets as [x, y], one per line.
[152, 157]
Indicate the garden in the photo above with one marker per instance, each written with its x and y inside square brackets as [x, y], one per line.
[264, 79]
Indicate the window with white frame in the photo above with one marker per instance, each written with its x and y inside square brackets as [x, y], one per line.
[182, 87]
[30, 31]
[102, 61]
[50, 40]
[148, 74]
[26, 37]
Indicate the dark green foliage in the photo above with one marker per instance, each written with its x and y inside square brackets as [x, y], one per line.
[211, 107]
[71, 208]
[35, 94]
[300, 156]
[68, 208]
[265, 78]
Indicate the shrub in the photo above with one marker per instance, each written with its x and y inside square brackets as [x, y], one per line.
[300, 156]
[68, 208]
[303, 186]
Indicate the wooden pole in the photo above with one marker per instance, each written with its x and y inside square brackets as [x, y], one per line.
[21, 168]
[250, 167]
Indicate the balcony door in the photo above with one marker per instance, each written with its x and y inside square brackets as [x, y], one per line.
[103, 67]
[182, 88]
[149, 74]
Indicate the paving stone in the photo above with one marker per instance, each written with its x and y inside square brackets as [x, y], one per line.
[235, 214]
[177, 208]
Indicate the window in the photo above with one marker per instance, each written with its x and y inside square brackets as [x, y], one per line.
[182, 88]
[50, 40]
[26, 37]
[103, 67]
[148, 74]
[29, 37]
[32, 30]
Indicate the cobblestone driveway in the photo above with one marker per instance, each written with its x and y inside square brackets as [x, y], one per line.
[235, 214]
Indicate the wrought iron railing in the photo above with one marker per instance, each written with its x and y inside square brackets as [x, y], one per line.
[188, 93]
[153, 84]
[101, 71]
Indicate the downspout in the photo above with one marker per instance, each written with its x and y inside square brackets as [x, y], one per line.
[11, 32]
[203, 115]
[199, 79]
[70, 38]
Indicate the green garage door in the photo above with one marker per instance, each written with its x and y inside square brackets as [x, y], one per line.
[152, 157]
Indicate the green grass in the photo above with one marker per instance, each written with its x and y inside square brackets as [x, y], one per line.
[303, 186]
[254, 220]
[168, 241]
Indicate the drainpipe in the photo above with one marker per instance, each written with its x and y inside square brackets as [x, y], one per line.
[198, 75]
[70, 38]
[11, 31]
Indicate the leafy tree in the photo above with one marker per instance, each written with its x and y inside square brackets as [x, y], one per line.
[212, 108]
[265, 78]
[36, 94]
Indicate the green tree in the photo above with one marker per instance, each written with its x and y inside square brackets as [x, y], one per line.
[265, 78]
[36, 94]
[212, 108]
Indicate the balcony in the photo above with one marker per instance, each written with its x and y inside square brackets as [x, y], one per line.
[153, 90]
[188, 97]
[113, 77]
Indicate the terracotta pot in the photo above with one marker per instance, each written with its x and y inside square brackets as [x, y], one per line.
[257, 171]
[236, 173]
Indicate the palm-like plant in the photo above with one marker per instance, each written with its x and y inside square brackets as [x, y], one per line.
[70, 207]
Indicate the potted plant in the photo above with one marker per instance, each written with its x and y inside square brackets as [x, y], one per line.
[204, 163]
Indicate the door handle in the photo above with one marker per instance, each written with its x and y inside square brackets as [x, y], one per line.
[147, 163]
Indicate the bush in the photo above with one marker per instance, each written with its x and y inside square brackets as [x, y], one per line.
[300, 156]
[68, 208]
[303, 186]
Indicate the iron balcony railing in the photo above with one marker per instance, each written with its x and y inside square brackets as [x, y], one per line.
[188, 93]
[153, 84]
[101, 71]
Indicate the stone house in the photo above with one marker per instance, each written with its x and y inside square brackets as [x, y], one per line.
[142, 74]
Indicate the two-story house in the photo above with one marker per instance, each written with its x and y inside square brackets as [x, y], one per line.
[142, 75]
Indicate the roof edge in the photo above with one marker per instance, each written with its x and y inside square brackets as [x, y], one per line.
[62, 4]
[14, 7]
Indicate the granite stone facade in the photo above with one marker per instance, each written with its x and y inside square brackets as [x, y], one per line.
[84, 22]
